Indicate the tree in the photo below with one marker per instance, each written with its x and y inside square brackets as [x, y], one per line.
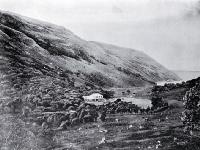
[156, 102]
[108, 94]
[191, 114]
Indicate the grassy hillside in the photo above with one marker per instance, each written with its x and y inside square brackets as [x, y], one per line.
[47, 49]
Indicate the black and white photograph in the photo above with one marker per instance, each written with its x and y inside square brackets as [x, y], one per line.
[99, 74]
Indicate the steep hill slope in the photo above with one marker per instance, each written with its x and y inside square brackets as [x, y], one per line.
[31, 48]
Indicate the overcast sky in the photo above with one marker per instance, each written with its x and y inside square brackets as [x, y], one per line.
[167, 30]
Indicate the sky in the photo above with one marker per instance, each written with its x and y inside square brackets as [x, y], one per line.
[166, 30]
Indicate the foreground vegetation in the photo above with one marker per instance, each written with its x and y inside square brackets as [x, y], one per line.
[187, 93]
[162, 131]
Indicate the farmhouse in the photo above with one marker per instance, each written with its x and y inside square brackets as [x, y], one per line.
[95, 97]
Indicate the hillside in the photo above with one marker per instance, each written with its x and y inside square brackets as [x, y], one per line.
[187, 75]
[31, 48]
[174, 91]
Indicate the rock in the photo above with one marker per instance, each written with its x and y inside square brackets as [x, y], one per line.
[103, 140]
[75, 121]
[64, 124]
[44, 125]
[130, 126]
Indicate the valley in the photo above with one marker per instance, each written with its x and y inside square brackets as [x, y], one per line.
[45, 70]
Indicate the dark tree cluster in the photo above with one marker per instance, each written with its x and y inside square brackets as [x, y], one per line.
[108, 94]
[191, 115]
[158, 102]
[120, 106]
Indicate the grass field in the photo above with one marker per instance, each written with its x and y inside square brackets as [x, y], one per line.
[163, 131]
[133, 132]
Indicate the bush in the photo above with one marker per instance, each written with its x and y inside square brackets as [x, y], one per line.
[108, 94]
[157, 102]
[191, 115]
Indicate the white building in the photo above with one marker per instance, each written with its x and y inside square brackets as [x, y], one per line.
[95, 97]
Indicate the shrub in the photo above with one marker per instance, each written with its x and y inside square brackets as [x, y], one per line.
[157, 102]
[108, 94]
[191, 114]
[128, 92]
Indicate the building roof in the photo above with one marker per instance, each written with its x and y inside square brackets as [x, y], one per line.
[94, 95]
